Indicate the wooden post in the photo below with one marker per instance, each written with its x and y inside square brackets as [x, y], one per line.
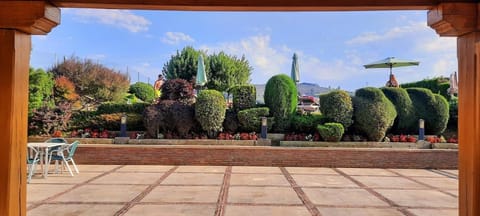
[14, 59]
[18, 20]
[460, 19]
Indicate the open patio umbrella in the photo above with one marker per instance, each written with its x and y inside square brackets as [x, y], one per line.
[295, 75]
[201, 78]
[391, 62]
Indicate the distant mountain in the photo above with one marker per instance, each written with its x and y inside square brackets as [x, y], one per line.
[310, 89]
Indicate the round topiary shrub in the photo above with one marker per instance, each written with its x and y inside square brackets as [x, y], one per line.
[306, 123]
[143, 91]
[210, 111]
[374, 114]
[230, 124]
[404, 107]
[331, 132]
[281, 97]
[336, 106]
[431, 108]
[178, 90]
[251, 119]
[244, 97]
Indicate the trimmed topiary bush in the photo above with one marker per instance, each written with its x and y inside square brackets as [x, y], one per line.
[143, 91]
[281, 97]
[431, 108]
[405, 110]
[438, 85]
[251, 119]
[244, 97]
[374, 114]
[230, 124]
[178, 90]
[210, 111]
[336, 106]
[169, 116]
[331, 132]
[306, 123]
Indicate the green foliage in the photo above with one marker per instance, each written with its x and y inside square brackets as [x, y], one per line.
[210, 111]
[231, 124]
[453, 117]
[331, 132]
[184, 64]
[169, 116]
[374, 114]
[306, 123]
[112, 121]
[244, 97]
[281, 97]
[438, 85]
[405, 110]
[430, 108]
[40, 89]
[251, 119]
[108, 108]
[93, 81]
[178, 90]
[336, 106]
[226, 71]
[143, 91]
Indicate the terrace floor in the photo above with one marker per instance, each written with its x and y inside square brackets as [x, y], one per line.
[230, 191]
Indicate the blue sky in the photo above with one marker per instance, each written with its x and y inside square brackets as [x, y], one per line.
[332, 46]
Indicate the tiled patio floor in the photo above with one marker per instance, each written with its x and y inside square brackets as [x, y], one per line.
[241, 191]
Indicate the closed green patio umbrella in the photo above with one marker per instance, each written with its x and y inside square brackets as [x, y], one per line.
[295, 75]
[201, 78]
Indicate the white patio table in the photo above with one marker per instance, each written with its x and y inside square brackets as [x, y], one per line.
[43, 150]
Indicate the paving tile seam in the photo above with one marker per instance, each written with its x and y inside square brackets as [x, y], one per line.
[444, 173]
[83, 202]
[144, 193]
[75, 186]
[176, 203]
[179, 185]
[374, 193]
[223, 195]
[300, 193]
[425, 184]
[267, 204]
[269, 185]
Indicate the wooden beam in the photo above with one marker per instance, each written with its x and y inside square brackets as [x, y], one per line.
[254, 5]
[14, 61]
[453, 19]
[33, 17]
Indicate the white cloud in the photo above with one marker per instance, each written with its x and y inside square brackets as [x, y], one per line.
[119, 18]
[439, 44]
[265, 59]
[396, 32]
[268, 60]
[173, 38]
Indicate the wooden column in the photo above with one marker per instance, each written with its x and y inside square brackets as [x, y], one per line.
[461, 20]
[18, 20]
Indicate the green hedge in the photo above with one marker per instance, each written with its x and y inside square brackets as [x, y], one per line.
[282, 98]
[331, 132]
[244, 97]
[251, 119]
[306, 123]
[374, 114]
[230, 123]
[405, 110]
[336, 106]
[433, 109]
[107, 108]
[210, 110]
[438, 85]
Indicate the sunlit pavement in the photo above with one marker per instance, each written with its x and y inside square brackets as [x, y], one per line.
[231, 191]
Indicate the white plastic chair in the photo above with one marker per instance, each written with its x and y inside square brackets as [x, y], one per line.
[65, 155]
[32, 160]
